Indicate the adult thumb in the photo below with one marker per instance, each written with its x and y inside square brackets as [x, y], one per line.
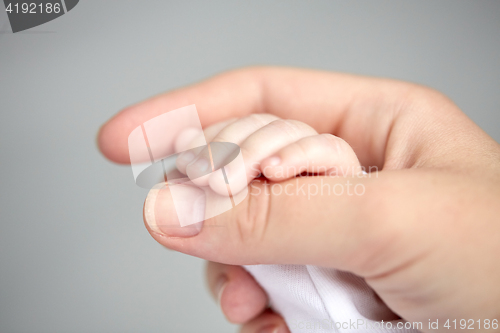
[317, 220]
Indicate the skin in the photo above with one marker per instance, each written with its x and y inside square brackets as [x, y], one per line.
[277, 148]
[426, 232]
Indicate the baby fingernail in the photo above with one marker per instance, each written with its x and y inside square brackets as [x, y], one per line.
[198, 168]
[273, 161]
[201, 164]
[186, 157]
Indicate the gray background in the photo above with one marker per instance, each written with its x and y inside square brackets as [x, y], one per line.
[74, 254]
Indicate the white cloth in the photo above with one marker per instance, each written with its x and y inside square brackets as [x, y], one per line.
[315, 299]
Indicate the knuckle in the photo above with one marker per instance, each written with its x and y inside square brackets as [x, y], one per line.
[334, 143]
[293, 128]
[426, 100]
[260, 119]
[253, 121]
[223, 136]
[304, 148]
[282, 123]
[336, 146]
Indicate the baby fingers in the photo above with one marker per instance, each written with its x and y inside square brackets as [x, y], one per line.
[322, 154]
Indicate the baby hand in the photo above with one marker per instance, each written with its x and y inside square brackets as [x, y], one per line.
[277, 148]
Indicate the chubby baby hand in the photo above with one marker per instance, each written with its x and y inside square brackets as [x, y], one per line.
[276, 148]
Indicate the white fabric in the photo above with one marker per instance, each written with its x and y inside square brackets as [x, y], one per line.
[315, 299]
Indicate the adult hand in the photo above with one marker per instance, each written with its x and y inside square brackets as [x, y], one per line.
[426, 232]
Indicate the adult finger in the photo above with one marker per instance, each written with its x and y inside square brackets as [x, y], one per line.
[351, 223]
[267, 322]
[240, 297]
[274, 223]
[379, 118]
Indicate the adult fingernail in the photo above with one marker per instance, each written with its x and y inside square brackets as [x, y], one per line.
[220, 285]
[269, 329]
[175, 212]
